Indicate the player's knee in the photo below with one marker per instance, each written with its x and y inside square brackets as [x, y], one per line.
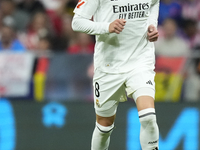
[148, 119]
[149, 122]
[105, 129]
[105, 121]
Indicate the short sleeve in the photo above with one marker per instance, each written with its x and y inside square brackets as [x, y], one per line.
[86, 8]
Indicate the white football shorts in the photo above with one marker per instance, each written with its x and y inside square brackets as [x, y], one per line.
[110, 89]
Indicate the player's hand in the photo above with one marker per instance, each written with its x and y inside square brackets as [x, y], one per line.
[117, 26]
[152, 33]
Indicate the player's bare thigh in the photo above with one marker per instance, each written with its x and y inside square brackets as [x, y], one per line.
[144, 102]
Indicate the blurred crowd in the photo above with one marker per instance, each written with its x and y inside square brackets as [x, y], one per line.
[39, 25]
[179, 28]
[45, 25]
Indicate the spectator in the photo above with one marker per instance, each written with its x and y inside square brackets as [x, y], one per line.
[1, 22]
[56, 10]
[19, 18]
[172, 52]
[84, 45]
[192, 82]
[31, 6]
[191, 33]
[52, 7]
[9, 41]
[67, 7]
[169, 9]
[191, 9]
[65, 10]
[171, 45]
[44, 44]
[38, 28]
[67, 37]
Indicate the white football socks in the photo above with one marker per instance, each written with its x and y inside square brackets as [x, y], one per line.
[101, 137]
[149, 132]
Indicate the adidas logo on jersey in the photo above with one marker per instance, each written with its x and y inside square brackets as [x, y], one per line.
[155, 148]
[149, 82]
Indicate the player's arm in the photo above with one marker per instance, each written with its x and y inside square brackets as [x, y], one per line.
[81, 24]
[85, 25]
[152, 32]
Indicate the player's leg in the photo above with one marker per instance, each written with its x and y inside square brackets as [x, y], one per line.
[108, 90]
[104, 126]
[149, 133]
[101, 135]
[141, 87]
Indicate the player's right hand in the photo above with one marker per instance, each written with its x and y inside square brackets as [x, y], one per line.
[117, 26]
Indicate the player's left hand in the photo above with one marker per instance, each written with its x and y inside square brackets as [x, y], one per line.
[152, 33]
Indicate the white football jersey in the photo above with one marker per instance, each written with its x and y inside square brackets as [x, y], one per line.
[118, 53]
